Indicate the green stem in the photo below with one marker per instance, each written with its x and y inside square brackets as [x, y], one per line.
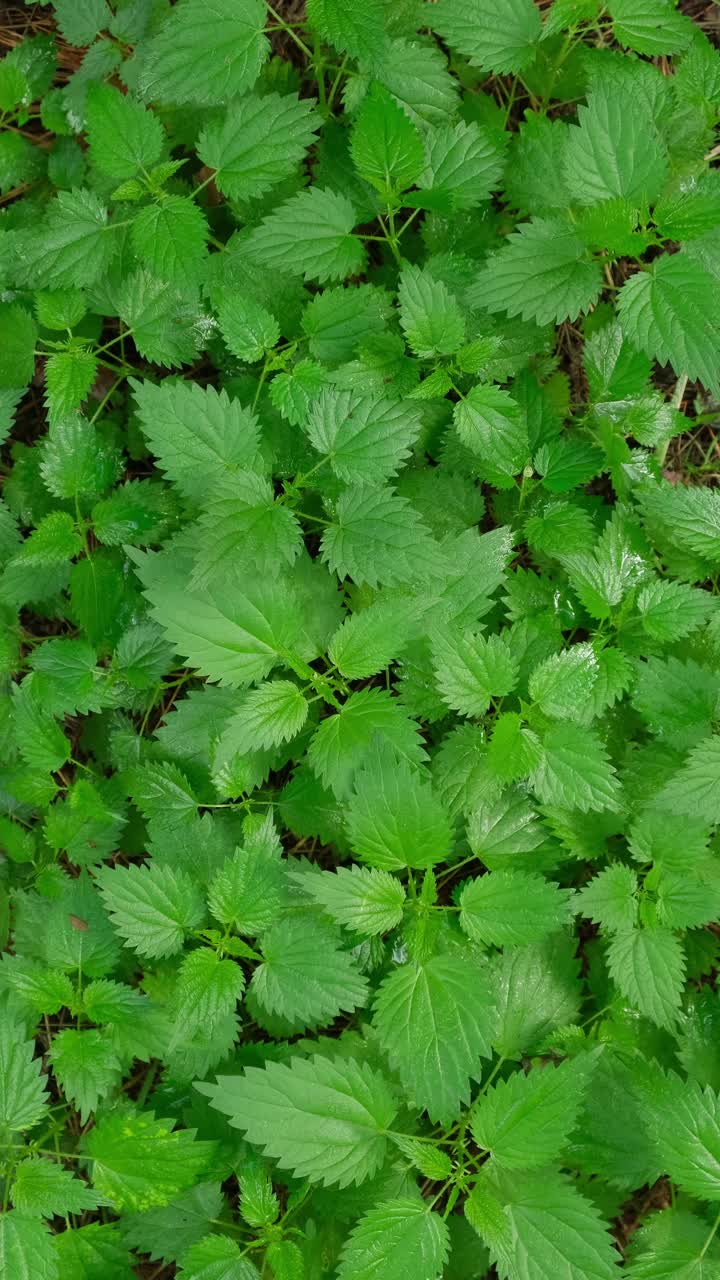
[288, 29]
[675, 402]
[711, 1236]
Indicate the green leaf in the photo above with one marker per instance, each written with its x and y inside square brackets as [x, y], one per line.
[243, 520]
[93, 1252]
[248, 328]
[430, 316]
[491, 423]
[539, 1225]
[77, 461]
[396, 1239]
[615, 151]
[526, 1120]
[257, 143]
[81, 20]
[248, 891]
[206, 54]
[139, 1162]
[199, 435]
[216, 1258]
[543, 272]
[75, 243]
[394, 819]
[648, 967]
[167, 323]
[312, 234]
[44, 1189]
[369, 640]
[693, 790]
[563, 685]
[325, 1119]
[671, 610]
[435, 1022]
[27, 1249]
[386, 147]
[22, 1089]
[686, 518]
[652, 27]
[609, 898]
[152, 906]
[463, 165]
[377, 537]
[666, 312]
[365, 438]
[18, 339]
[168, 1232]
[170, 239]
[573, 771]
[496, 35]
[207, 991]
[86, 1068]
[689, 1138]
[69, 375]
[304, 976]
[471, 669]
[512, 908]
[365, 900]
[357, 29]
[537, 991]
[123, 137]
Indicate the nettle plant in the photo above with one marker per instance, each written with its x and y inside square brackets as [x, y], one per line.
[361, 662]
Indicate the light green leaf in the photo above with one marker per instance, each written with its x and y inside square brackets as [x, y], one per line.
[394, 819]
[18, 339]
[667, 312]
[496, 35]
[139, 1162]
[304, 976]
[615, 151]
[207, 991]
[435, 1021]
[430, 316]
[364, 437]
[325, 1119]
[543, 272]
[22, 1089]
[689, 1138]
[653, 27]
[394, 1240]
[609, 898]
[492, 424]
[247, 327]
[86, 1068]
[574, 772]
[170, 239]
[526, 1120]
[43, 1189]
[151, 906]
[695, 789]
[648, 967]
[311, 234]
[123, 137]
[365, 900]
[463, 165]
[69, 375]
[258, 142]
[513, 908]
[386, 147]
[74, 244]
[198, 434]
[355, 27]
[206, 52]
[377, 537]
[27, 1249]
[471, 669]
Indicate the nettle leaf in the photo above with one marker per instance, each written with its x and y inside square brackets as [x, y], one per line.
[543, 273]
[365, 900]
[387, 149]
[184, 64]
[648, 966]
[169, 238]
[312, 234]
[430, 316]
[535, 1222]
[574, 772]
[526, 1120]
[86, 1068]
[152, 907]
[615, 152]
[497, 37]
[23, 1098]
[44, 1189]
[463, 165]
[258, 142]
[279, 1108]
[305, 977]
[207, 990]
[472, 669]
[409, 1236]
[435, 1021]
[377, 537]
[365, 438]
[491, 423]
[394, 818]
[196, 433]
[664, 312]
[123, 137]
[140, 1162]
[689, 1138]
[27, 1249]
[511, 908]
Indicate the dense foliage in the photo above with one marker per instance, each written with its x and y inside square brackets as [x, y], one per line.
[360, 652]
